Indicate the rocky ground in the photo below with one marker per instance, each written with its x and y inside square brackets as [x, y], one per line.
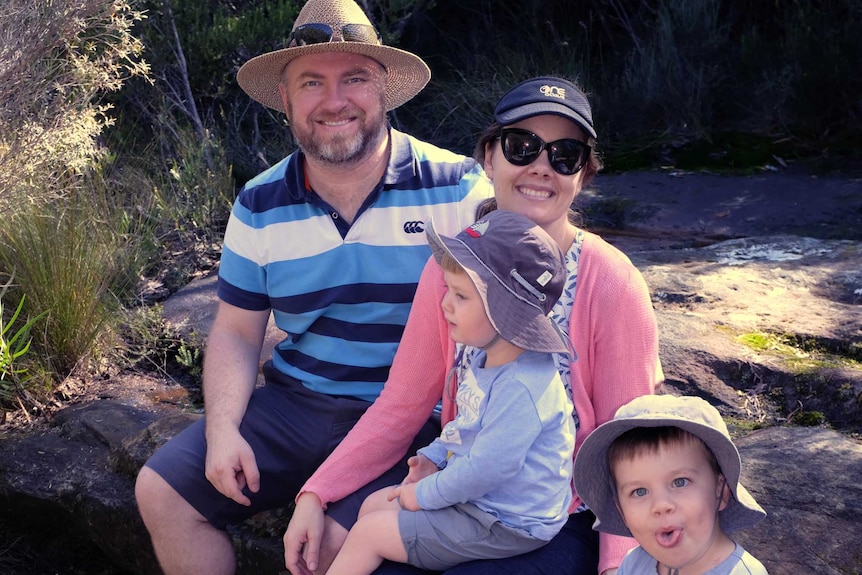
[757, 285]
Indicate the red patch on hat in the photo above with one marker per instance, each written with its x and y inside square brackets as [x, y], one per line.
[477, 230]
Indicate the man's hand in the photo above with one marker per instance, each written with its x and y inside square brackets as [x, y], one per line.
[420, 467]
[406, 496]
[231, 465]
[304, 534]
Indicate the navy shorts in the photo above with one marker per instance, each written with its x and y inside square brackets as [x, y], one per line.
[292, 430]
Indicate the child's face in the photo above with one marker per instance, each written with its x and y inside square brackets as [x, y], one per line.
[670, 500]
[464, 311]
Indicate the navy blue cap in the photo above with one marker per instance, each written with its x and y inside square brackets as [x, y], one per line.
[545, 95]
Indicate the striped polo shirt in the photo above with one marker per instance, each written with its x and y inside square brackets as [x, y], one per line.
[342, 293]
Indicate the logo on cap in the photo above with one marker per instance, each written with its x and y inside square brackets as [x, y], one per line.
[553, 92]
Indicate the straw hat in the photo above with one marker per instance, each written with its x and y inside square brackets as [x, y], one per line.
[406, 73]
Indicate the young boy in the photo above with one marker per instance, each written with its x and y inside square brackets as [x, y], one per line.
[497, 482]
[666, 472]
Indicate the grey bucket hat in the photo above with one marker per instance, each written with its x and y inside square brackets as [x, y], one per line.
[519, 272]
[592, 473]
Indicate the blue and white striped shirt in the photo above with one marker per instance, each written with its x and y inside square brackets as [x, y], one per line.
[342, 293]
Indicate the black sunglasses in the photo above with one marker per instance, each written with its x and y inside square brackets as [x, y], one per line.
[521, 148]
[313, 33]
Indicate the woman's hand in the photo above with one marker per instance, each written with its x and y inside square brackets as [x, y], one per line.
[304, 534]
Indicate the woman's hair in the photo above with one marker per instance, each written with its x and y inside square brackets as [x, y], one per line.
[640, 440]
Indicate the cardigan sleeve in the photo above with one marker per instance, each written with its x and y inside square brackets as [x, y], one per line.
[383, 434]
[614, 331]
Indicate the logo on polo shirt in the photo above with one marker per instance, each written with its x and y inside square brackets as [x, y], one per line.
[414, 227]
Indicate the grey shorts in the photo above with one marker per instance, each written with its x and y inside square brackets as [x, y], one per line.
[442, 538]
[291, 430]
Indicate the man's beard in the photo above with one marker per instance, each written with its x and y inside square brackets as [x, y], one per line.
[342, 149]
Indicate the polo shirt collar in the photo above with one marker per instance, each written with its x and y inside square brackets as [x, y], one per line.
[402, 161]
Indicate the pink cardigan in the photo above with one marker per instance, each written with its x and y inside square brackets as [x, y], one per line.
[612, 328]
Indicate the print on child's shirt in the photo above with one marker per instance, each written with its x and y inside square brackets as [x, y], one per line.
[469, 399]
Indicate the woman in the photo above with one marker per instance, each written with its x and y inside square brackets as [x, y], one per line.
[539, 153]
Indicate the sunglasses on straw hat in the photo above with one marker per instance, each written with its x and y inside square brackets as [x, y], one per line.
[334, 26]
[318, 33]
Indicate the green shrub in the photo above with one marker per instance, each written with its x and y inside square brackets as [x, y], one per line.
[14, 345]
[64, 256]
[809, 418]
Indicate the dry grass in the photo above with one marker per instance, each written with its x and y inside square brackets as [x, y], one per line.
[55, 59]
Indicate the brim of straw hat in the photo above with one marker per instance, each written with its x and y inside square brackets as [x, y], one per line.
[406, 73]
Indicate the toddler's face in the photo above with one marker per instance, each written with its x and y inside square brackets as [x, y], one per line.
[670, 500]
[464, 311]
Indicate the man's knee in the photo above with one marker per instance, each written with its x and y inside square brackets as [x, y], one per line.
[158, 501]
[147, 488]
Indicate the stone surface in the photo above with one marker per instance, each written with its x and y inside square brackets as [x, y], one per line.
[807, 480]
[802, 291]
[724, 258]
[70, 475]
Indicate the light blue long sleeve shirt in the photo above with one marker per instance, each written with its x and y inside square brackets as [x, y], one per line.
[509, 451]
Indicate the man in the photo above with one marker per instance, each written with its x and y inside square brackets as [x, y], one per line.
[330, 241]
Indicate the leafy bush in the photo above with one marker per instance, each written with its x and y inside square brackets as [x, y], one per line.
[663, 74]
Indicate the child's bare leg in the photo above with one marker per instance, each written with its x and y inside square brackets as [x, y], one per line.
[372, 539]
[378, 501]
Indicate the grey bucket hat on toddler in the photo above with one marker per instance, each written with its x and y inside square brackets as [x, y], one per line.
[519, 272]
[592, 473]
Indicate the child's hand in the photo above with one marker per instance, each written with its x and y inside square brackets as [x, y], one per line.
[420, 467]
[406, 496]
